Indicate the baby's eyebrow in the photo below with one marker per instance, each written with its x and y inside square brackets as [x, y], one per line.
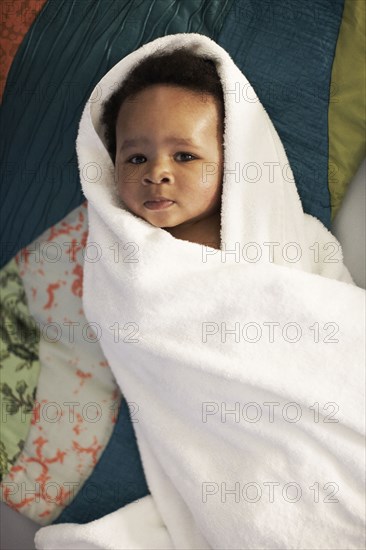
[127, 143]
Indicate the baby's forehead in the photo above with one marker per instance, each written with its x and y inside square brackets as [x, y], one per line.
[181, 109]
[170, 92]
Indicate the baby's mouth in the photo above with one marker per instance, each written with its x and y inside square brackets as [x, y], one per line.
[159, 204]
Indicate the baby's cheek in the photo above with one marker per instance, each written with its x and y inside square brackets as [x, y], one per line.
[210, 174]
[125, 194]
[126, 174]
[126, 181]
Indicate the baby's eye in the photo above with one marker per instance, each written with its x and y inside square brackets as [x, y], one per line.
[136, 157]
[187, 155]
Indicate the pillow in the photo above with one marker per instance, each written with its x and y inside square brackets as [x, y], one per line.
[76, 400]
[347, 132]
[19, 366]
[16, 18]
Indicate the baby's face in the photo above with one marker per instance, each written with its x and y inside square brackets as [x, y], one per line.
[157, 164]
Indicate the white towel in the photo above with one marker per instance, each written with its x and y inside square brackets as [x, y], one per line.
[246, 378]
[137, 525]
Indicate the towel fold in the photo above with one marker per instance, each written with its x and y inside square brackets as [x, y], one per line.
[137, 525]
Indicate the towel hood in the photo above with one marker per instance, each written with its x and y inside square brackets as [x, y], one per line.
[260, 203]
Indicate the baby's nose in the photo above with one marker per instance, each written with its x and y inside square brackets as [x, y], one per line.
[157, 174]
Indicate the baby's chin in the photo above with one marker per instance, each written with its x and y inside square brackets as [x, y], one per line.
[162, 225]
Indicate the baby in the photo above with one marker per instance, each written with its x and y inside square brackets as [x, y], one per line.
[164, 130]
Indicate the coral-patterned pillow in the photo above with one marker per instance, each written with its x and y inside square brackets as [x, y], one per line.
[74, 410]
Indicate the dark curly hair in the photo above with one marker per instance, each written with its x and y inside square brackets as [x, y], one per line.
[180, 68]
